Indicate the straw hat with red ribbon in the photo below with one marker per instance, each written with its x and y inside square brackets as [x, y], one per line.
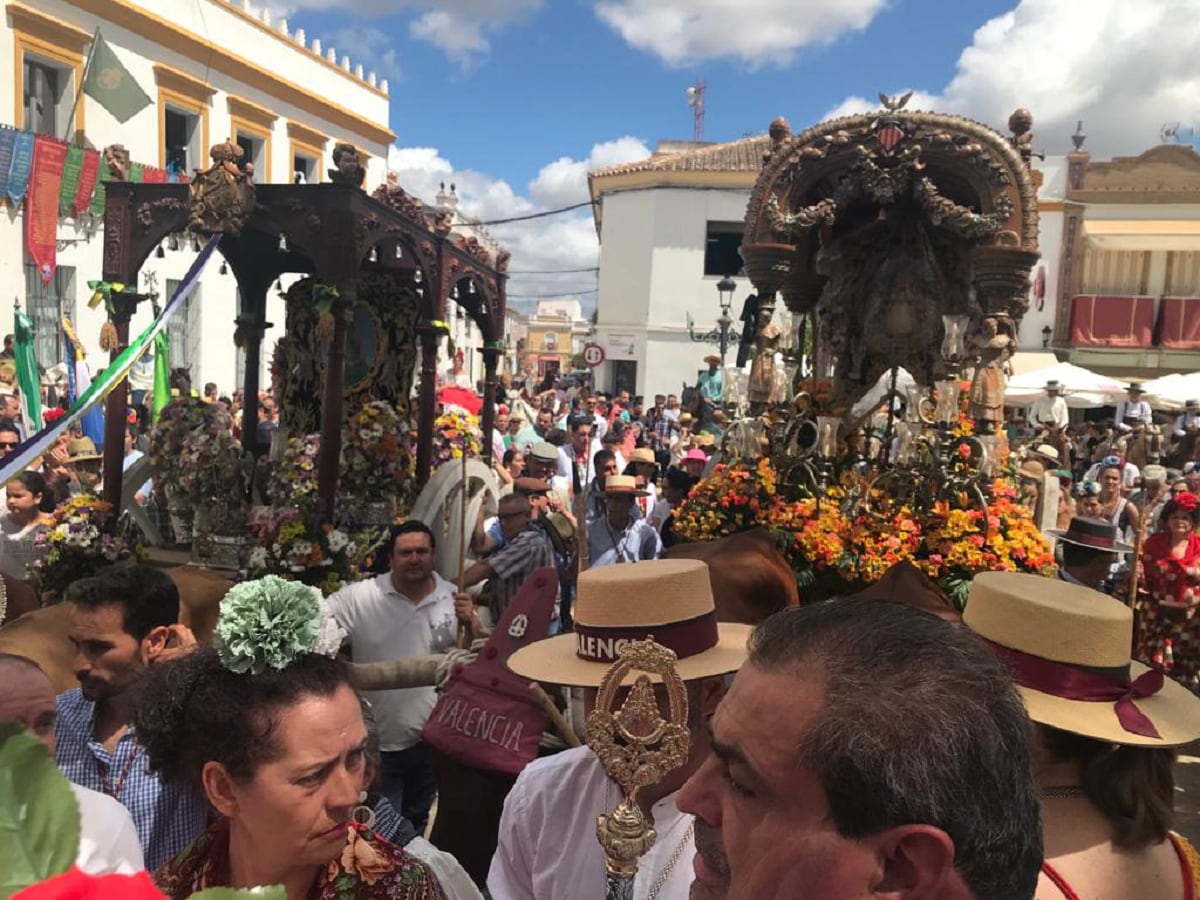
[668, 599]
[1068, 647]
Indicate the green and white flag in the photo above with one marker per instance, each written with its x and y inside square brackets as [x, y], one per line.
[109, 83]
[27, 373]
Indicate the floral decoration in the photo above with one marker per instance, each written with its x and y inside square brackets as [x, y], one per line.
[267, 623]
[288, 546]
[455, 433]
[377, 453]
[79, 539]
[193, 452]
[291, 480]
[840, 543]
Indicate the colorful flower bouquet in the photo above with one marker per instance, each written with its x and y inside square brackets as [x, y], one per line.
[193, 453]
[377, 453]
[848, 548]
[324, 556]
[80, 539]
[454, 434]
[291, 480]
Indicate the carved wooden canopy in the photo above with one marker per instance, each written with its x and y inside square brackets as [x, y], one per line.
[331, 230]
[966, 177]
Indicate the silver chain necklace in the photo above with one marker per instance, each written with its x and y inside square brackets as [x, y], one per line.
[674, 858]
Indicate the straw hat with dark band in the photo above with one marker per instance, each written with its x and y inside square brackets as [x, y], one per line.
[622, 486]
[1068, 647]
[667, 599]
[1098, 534]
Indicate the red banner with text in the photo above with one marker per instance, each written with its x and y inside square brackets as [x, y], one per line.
[87, 181]
[41, 206]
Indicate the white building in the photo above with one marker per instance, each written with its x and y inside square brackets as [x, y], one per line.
[670, 227]
[213, 70]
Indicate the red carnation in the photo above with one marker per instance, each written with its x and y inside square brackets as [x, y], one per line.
[51, 416]
[1186, 501]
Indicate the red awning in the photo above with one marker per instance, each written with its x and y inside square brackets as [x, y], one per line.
[1111, 321]
[1179, 323]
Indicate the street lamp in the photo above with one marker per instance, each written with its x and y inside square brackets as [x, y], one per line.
[719, 335]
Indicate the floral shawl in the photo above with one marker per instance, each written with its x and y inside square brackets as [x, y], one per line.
[1170, 581]
[368, 868]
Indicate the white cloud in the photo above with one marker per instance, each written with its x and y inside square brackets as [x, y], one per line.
[368, 45]
[756, 32]
[565, 241]
[1125, 69]
[564, 181]
[458, 28]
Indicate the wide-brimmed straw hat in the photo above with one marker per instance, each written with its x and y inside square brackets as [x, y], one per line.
[643, 455]
[1053, 385]
[713, 358]
[1068, 647]
[622, 486]
[1135, 387]
[1098, 534]
[1032, 469]
[668, 599]
[1047, 451]
[81, 449]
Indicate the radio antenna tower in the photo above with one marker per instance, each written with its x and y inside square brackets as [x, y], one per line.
[695, 99]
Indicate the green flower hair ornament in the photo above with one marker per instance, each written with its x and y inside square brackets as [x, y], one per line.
[269, 622]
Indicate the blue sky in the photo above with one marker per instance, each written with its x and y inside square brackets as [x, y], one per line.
[515, 100]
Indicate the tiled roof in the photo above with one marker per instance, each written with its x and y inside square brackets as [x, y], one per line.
[745, 155]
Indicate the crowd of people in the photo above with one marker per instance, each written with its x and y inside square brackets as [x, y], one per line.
[844, 749]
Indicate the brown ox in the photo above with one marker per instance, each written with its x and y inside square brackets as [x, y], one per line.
[749, 576]
[41, 634]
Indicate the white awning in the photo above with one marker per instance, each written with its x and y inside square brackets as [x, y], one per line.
[1031, 361]
[1143, 234]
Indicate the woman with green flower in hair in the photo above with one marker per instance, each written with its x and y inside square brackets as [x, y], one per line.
[267, 723]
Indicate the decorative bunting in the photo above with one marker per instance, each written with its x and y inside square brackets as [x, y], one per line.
[72, 168]
[41, 212]
[87, 181]
[137, 173]
[8, 135]
[154, 175]
[101, 191]
[34, 446]
[22, 162]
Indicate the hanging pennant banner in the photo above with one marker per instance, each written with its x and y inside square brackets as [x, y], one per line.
[98, 195]
[137, 173]
[72, 168]
[154, 175]
[8, 135]
[41, 211]
[22, 162]
[87, 181]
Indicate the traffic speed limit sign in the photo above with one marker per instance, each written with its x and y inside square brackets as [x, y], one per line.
[593, 354]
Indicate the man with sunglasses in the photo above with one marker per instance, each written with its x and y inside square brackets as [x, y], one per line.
[9, 437]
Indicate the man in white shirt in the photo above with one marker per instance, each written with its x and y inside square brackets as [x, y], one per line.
[1050, 410]
[547, 838]
[108, 841]
[621, 535]
[406, 611]
[575, 457]
[1134, 410]
[1190, 420]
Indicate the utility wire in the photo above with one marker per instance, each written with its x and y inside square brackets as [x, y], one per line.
[551, 271]
[538, 215]
[550, 296]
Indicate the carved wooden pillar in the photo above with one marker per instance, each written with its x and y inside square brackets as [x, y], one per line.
[491, 356]
[117, 267]
[428, 399]
[251, 326]
[332, 404]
